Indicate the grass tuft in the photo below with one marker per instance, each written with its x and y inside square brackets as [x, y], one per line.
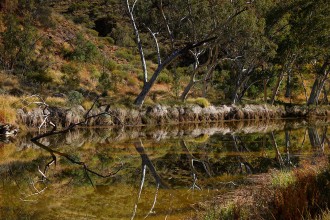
[283, 179]
[202, 102]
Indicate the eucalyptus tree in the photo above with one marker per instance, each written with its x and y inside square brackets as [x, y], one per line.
[241, 48]
[247, 50]
[301, 30]
[163, 20]
[218, 15]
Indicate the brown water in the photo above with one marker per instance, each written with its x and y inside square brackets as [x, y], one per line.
[158, 173]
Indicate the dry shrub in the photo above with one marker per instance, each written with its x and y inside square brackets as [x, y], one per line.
[301, 198]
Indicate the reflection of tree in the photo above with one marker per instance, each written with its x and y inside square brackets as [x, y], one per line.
[287, 147]
[191, 160]
[277, 151]
[316, 141]
[55, 131]
[146, 163]
[85, 167]
[242, 162]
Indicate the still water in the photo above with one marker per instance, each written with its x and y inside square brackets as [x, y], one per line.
[146, 172]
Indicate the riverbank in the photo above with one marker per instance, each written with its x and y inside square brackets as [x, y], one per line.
[161, 114]
[300, 193]
[29, 118]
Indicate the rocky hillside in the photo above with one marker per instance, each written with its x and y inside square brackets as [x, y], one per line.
[69, 52]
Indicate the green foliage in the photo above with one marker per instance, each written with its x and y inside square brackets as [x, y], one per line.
[75, 98]
[110, 65]
[124, 54]
[122, 35]
[70, 76]
[39, 77]
[202, 102]
[18, 43]
[283, 179]
[165, 77]
[84, 51]
[105, 81]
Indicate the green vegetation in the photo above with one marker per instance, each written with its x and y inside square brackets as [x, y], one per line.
[283, 179]
[202, 102]
[265, 51]
[75, 98]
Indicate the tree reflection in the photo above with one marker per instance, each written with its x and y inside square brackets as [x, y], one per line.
[146, 163]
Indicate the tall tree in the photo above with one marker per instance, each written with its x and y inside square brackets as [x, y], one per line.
[168, 28]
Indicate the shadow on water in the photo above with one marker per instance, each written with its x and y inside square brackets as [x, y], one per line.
[143, 172]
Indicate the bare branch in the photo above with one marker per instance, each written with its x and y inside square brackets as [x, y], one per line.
[138, 40]
[153, 34]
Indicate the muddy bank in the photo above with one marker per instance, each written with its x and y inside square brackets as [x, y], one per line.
[160, 114]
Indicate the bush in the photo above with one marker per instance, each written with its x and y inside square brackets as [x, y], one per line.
[124, 54]
[84, 51]
[70, 75]
[164, 78]
[75, 98]
[202, 102]
[105, 81]
[18, 43]
[283, 179]
[110, 65]
[39, 77]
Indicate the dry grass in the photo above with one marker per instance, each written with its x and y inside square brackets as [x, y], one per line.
[295, 194]
[56, 101]
[283, 179]
[7, 111]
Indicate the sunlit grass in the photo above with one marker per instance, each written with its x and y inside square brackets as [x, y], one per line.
[283, 179]
[202, 102]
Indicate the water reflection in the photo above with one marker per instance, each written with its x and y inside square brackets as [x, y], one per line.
[154, 173]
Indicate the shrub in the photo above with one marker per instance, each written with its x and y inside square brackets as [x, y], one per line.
[70, 75]
[110, 65]
[18, 43]
[105, 81]
[39, 77]
[283, 179]
[75, 98]
[84, 51]
[202, 102]
[164, 78]
[124, 54]
[94, 73]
